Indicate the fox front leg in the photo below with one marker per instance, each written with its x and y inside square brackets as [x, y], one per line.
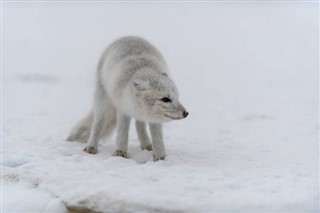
[143, 136]
[157, 141]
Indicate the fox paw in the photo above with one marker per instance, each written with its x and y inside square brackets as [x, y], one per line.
[70, 138]
[120, 153]
[148, 147]
[155, 158]
[91, 150]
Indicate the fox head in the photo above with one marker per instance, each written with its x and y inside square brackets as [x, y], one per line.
[157, 96]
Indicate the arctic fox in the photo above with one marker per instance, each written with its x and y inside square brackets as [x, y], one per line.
[132, 82]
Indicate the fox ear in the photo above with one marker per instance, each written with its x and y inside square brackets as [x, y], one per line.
[140, 84]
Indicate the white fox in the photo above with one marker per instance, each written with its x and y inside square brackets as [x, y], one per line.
[132, 82]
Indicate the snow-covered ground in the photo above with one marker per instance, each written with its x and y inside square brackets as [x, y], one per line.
[247, 73]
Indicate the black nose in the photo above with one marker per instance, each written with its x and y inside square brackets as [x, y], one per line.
[185, 114]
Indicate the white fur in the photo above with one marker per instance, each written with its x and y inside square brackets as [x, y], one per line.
[132, 82]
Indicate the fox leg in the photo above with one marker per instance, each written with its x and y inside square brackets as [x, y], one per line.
[143, 136]
[157, 141]
[122, 135]
[99, 110]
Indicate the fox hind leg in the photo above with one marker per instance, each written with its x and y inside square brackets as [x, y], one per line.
[122, 135]
[99, 120]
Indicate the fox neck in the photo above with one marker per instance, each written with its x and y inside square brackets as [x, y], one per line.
[130, 105]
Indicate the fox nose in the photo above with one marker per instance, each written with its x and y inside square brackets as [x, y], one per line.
[185, 114]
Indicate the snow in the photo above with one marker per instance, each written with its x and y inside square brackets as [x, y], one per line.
[247, 73]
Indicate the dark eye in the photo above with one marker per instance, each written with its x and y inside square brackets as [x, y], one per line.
[165, 99]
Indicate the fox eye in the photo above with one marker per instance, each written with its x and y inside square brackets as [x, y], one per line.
[165, 99]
